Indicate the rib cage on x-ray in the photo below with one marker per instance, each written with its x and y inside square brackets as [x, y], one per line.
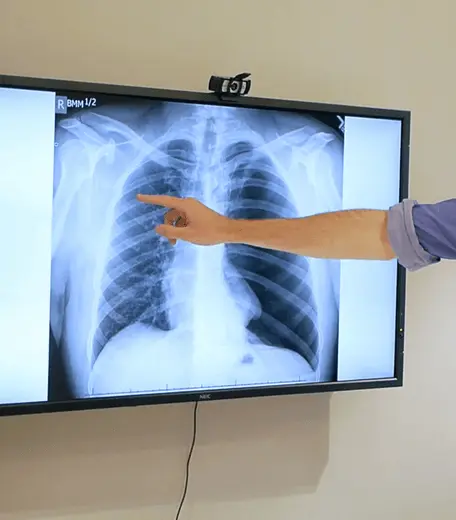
[122, 319]
[272, 286]
[134, 286]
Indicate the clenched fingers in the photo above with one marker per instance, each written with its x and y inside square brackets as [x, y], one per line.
[175, 217]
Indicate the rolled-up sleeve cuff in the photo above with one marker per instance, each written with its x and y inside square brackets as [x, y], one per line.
[403, 238]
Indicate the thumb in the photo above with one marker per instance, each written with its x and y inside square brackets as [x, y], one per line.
[171, 232]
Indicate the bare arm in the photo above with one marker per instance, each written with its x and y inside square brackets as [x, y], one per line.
[350, 234]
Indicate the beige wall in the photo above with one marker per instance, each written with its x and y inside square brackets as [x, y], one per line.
[356, 456]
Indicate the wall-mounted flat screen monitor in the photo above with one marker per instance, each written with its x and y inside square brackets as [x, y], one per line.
[98, 310]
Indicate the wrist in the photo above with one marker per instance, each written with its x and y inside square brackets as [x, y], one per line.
[232, 231]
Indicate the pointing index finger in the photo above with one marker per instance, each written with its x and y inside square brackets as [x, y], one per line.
[162, 200]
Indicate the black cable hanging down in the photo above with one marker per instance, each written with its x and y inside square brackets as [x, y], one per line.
[189, 459]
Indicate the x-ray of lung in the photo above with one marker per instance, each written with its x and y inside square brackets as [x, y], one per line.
[132, 314]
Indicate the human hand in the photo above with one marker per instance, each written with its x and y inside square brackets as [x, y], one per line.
[189, 220]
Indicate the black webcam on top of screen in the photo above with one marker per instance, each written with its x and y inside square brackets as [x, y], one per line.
[236, 86]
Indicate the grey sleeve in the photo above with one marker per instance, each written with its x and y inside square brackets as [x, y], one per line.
[422, 234]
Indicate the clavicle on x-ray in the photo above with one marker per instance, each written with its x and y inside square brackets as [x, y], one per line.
[132, 314]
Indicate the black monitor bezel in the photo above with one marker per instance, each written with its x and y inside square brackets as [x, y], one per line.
[29, 83]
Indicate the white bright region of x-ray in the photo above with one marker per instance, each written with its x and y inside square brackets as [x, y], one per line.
[95, 159]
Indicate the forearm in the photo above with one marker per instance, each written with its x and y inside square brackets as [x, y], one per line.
[351, 234]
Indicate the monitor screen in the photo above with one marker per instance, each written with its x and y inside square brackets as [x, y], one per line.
[98, 310]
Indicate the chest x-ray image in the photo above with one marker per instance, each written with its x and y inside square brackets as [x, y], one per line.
[130, 314]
